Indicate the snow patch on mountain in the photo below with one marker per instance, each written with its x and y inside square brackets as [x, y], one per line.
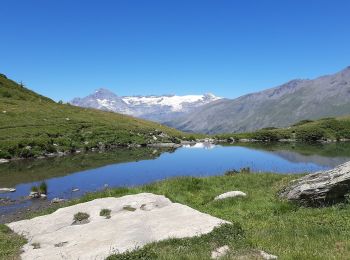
[157, 108]
[177, 103]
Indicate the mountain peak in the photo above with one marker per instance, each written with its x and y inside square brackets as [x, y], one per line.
[154, 107]
[103, 91]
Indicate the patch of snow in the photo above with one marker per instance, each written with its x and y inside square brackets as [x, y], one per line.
[175, 102]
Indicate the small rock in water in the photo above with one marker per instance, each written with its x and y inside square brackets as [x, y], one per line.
[4, 161]
[230, 194]
[5, 190]
[267, 256]
[75, 190]
[220, 252]
[43, 196]
[34, 195]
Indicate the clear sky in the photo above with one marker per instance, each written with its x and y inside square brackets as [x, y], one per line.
[68, 48]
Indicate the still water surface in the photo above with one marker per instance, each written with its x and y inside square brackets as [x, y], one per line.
[91, 172]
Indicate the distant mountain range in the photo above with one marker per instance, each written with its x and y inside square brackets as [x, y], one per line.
[281, 106]
[156, 108]
[296, 100]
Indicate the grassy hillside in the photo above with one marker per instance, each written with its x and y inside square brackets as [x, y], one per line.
[262, 221]
[32, 125]
[325, 129]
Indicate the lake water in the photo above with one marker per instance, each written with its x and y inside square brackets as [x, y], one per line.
[130, 167]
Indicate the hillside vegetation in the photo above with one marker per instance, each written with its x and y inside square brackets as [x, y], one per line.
[32, 125]
[326, 129]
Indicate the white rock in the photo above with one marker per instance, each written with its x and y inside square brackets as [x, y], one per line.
[75, 190]
[57, 200]
[230, 194]
[4, 161]
[34, 194]
[125, 230]
[5, 190]
[220, 252]
[267, 256]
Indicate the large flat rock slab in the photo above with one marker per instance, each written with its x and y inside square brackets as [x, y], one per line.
[135, 221]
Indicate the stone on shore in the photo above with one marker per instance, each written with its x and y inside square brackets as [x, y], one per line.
[230, 194]
[164, 145]
[220, 252]
[4, 161]
[320, 188]
[267, 256]
[155, 218]
[57, 200]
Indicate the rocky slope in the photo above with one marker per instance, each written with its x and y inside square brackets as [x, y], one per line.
[276, 107]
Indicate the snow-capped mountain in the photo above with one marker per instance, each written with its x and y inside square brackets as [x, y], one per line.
[156, 108]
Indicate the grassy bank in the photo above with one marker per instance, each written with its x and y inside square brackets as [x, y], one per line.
[261, 220]
[32, 125]
[334, 129]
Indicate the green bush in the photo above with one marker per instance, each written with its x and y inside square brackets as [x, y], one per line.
[43, 188]
[266, 135]
[310, 134]
[34, 189]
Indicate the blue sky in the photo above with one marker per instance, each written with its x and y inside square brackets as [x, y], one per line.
[63, 49]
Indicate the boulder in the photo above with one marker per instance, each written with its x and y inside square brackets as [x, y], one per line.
[124, 231]
[320, 188]
[230, 194]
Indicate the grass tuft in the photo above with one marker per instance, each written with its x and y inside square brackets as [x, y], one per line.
[80, 216]
[105, 213]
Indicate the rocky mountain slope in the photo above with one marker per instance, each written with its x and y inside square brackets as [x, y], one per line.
[276, 107]
[156, 108]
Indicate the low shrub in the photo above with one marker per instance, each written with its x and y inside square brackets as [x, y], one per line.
[43, 188]
[105, 213]
[80, 216]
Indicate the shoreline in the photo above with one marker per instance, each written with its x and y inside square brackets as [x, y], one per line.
[170, 145]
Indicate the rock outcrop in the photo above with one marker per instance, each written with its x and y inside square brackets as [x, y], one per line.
[320, 188]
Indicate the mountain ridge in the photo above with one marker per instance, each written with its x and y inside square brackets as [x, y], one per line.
[279, 106]
[158, 108]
